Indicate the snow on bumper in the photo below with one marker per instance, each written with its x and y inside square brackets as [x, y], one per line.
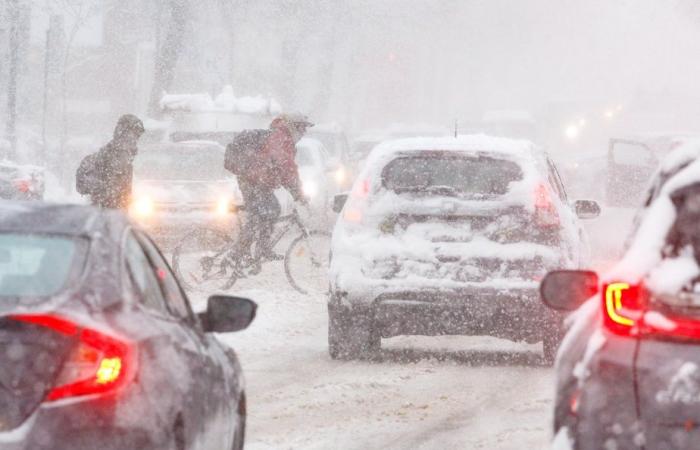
[475, 310]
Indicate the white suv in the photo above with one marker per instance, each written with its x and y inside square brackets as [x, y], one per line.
[451, 236]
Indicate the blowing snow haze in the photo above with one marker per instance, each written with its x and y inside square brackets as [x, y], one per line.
[361, 63]
[457, 224]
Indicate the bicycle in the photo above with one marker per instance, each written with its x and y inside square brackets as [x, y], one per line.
[205, 258]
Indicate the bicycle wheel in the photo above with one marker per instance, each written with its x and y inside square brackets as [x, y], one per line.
[201, 261]
[306, 263]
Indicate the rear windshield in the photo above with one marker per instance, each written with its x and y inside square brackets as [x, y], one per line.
[177, 163]
[39, 266]
[459, 175]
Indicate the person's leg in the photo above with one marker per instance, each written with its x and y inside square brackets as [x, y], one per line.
[252, 221]
[270, 213]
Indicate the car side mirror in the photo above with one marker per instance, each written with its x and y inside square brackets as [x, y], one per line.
[566, 290]
[339, 202]
[587, 209]
[227, 314]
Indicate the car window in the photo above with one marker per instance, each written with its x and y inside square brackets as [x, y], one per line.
[632, 154]
[39, 266]
[459, 174]
[143, 276]
[174, 297]
[203, 163]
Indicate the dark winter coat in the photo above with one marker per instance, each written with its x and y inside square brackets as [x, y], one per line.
[115, 165]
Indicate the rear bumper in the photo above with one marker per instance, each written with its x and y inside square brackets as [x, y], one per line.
[106, 423]
[606, 416]
[513, 314]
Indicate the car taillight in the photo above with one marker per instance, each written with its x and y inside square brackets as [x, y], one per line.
[97, 364]
[354, 211]
[626, 312]
[546, 214]
[623, 307]
[23, 186]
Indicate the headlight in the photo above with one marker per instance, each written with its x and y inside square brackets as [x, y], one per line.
[223, 207]
[341, 175]
[572, 131]
[142, 207]
[310, 188]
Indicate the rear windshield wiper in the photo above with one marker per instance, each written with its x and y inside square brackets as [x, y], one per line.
[444, 190]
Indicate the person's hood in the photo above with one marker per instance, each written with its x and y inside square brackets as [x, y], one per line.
[128, 124]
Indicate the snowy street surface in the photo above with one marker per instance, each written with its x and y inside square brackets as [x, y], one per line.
[421, 393]
[418, 398]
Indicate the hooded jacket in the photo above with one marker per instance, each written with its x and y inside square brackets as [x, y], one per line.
[115, 164]
[277, 167]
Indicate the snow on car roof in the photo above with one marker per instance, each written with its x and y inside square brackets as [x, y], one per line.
[644, 259]
[49, 218]
[464, 143]
[226, 101]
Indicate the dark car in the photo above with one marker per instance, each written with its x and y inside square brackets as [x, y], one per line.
[628, 371]
[451, 236]
[99, 346]
[21, 182]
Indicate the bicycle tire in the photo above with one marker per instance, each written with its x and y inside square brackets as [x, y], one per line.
[288, 261]
[197, 236]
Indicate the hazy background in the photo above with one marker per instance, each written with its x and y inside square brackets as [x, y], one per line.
[360, 63]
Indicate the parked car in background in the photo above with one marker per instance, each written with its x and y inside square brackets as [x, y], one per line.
[364, 143]
[451, 236]
[631, 163]
[100, 346]
[316, 173]
[182, 185]
[21, 181]
[336, 143]
[628, 372]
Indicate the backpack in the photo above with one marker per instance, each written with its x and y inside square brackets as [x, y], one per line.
[87, 177]
[243, 154]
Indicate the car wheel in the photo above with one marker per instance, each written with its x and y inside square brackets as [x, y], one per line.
[239, 438]
[351, 335]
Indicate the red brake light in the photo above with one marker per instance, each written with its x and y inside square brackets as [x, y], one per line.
[98, 364]
[354, 210]
[623, 307]
[23, 186]
[545, 212]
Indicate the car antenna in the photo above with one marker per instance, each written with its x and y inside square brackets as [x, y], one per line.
[456, 127]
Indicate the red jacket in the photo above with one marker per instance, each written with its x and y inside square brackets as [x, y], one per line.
[277, 167]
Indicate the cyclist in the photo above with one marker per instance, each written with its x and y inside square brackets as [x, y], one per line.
[274, 167]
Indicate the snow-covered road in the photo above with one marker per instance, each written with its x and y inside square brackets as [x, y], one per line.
[455, 393]
[420, 393]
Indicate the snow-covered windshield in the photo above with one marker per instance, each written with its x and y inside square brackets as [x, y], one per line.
[456, 174]
[199, 163]
[38, 266]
